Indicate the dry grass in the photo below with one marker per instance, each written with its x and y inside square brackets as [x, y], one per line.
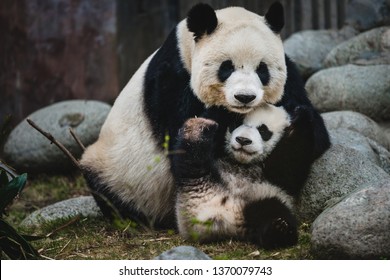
[85, 238]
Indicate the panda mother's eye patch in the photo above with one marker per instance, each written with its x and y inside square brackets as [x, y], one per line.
[225, 70]
[265, 133]
[263, 73]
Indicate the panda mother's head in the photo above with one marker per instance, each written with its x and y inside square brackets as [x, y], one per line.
[259, 133]
[235, 57]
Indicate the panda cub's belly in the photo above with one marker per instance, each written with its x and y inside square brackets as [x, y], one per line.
[246, 183]
[213, 211]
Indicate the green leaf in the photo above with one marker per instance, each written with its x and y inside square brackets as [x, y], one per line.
[14, 245]
[11, 190]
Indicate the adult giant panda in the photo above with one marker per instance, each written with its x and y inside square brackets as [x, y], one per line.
[217, 64]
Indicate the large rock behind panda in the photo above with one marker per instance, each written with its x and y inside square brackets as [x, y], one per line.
[217, 64]
[29, 151]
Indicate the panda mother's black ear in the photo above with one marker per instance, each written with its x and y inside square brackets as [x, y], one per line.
[201, 20]
[275, 17]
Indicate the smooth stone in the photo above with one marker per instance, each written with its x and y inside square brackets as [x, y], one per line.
[29, 151]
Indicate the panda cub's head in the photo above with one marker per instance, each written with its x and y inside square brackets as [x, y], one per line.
[258, 134]
[235, 57]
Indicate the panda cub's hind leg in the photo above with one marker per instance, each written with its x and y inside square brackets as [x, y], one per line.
[270, 223]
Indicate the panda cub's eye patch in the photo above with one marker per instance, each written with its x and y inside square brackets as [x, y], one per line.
[265, 133]
[263, 73]
[225, 70]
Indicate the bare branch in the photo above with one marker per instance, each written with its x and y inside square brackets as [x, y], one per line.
[55, 142]
[76, 138]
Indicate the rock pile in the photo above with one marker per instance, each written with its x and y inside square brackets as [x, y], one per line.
[346, 197]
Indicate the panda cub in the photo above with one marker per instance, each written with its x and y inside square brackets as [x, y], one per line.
[229, 197]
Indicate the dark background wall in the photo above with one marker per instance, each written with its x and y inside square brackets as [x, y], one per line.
[53, 50]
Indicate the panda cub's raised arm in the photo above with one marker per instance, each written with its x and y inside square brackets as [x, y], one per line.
[228, 197]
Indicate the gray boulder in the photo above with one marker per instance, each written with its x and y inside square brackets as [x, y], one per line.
[386, 130]
[28, 151]
[183, 253]
[357, 227]
[365, 146]
[365, 89]
[371, 47]
[367, 14]
[309, 48]
[84, 206]
[359, 123]
[337, 173]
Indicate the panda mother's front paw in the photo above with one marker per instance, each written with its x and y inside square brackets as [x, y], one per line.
[198, 129]
[301, 114]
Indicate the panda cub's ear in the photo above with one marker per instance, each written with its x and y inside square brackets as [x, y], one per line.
[201, 19]
[275, 17]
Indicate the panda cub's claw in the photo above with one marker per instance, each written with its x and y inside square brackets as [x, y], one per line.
[281, 233]
[198, 129]
[280, 225]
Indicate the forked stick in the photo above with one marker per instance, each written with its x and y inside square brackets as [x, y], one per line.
[55, 142]
[76, 139]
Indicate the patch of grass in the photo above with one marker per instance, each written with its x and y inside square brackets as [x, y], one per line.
[86, 238]
[96, 239]
[44, 190]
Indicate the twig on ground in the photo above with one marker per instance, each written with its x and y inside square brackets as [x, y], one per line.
[72, 221]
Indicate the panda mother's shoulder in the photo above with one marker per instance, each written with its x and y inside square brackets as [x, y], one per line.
[294, 90]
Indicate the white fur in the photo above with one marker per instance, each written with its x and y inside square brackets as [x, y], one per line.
[125, 154]
[245, 82]
[203, 216]
[275, 118]
[244, 38]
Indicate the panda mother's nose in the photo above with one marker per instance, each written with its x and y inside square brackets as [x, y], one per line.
[245, 98]
[243, 141]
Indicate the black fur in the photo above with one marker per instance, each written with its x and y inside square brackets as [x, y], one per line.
[265, 133]
[270, 224]
[169, 101]
[113, 207]
[267, 222]
[168, 98]
[275, 17]
[289, 164]
[201, 20]
[263, 73]
[225, 70]
[195, 160]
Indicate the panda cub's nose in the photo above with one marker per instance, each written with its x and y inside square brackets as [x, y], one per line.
[245, 98]
[243, 140]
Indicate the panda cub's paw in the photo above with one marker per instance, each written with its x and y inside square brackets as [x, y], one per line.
[198, 130]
